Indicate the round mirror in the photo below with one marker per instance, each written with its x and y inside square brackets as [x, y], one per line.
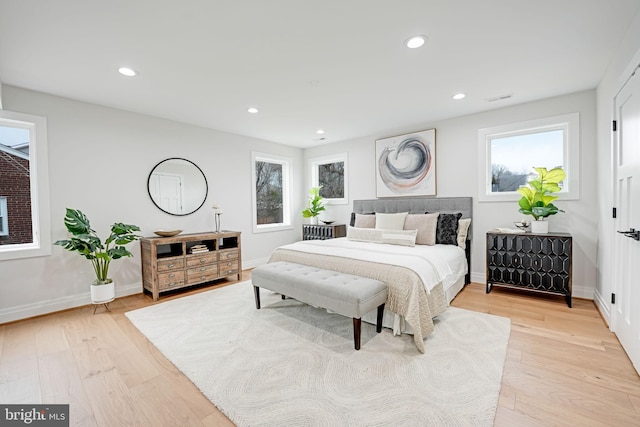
[177, 186]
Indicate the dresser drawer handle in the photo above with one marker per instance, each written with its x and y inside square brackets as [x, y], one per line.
[229, 255]
[172, 275]
[229, 263]
[172, 283]
[203, 277]
[203, 268]
[171, 265]
[203, 261]
[229, 271]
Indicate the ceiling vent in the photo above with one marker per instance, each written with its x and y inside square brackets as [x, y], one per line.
[500, 98]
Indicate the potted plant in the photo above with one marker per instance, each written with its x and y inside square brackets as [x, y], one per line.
[537, 198]
[314, 205]
[86, 242]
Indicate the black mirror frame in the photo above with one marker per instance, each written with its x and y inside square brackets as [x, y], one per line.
[206, 186]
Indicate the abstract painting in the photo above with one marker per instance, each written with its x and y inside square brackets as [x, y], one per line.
[406, 165]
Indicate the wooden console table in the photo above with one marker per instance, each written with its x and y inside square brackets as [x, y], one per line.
[180, 261]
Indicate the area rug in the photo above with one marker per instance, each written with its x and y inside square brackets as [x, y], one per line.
[289, 364]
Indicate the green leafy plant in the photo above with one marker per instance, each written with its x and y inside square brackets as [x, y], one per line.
[537, 198]
[314, 204]
[86, 242]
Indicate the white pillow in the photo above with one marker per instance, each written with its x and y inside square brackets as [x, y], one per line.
[399, 237]
[393, 221]
[364, 234]
[463, 228]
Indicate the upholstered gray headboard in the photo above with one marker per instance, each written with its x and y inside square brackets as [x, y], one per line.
[418, 205]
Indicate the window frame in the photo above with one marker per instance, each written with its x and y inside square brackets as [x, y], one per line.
[39, 176]
[314, 168]
[287, 216]
[568, 123]
[4, 222]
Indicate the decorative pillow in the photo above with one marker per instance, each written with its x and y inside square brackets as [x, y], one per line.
[364, 220]
[399, 237]
[447, 232]
[390, 221]
[463, 228]
[353, 218]
[425, 224]
[365, 235]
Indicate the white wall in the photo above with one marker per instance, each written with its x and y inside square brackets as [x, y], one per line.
[99, 161]
[627, 57]
[457, 175]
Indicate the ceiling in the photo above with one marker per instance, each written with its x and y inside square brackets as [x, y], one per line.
[335, 65]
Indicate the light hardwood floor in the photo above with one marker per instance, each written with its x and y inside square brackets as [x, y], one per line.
[563, 366]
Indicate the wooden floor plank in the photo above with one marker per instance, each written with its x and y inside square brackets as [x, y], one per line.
[61, 384]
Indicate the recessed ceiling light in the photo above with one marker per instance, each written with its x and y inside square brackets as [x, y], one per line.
[319, 131]
[416, 41]
[459, 96]
[125, 71]
[252, 110]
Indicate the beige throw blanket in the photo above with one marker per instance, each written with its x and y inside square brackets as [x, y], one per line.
[407, 294]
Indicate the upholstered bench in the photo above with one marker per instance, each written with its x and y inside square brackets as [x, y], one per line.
[345, 294]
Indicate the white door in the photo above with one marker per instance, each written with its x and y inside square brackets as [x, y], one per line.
[626, 310]
[166, 191]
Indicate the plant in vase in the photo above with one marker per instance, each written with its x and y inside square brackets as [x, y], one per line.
[86, 242]
[537, 198]
[315, 205]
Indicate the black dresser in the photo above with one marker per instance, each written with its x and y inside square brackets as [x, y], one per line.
[533, 262]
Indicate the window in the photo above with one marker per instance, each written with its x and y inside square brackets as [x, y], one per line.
[271, 193]
[4, 224]
[24, 186]
[508, 154]
[330, 172]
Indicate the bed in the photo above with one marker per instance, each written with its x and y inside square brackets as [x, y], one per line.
[422, 278]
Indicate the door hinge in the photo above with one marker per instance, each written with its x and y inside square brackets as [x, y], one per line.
[613, 298]
[615, 125]
[615, 213]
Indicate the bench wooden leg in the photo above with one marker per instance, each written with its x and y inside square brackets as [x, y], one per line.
[256, 293]
[379, 319]
[357, 324]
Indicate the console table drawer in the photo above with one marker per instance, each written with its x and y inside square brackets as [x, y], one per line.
[202, 269]
[205, 276]
[228, 254]
[193, 261]
[227, 268]
[170, 264]
[171, 280]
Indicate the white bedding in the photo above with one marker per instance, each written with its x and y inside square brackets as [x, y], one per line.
[438, 264]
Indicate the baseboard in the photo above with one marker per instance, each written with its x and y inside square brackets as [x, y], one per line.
[603, 306]
[576, 291]
[478, 278]
[253, 263]
[39, 308]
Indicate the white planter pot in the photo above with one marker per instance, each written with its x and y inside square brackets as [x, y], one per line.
[104, 293]
[313, 220]
[540, 227]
